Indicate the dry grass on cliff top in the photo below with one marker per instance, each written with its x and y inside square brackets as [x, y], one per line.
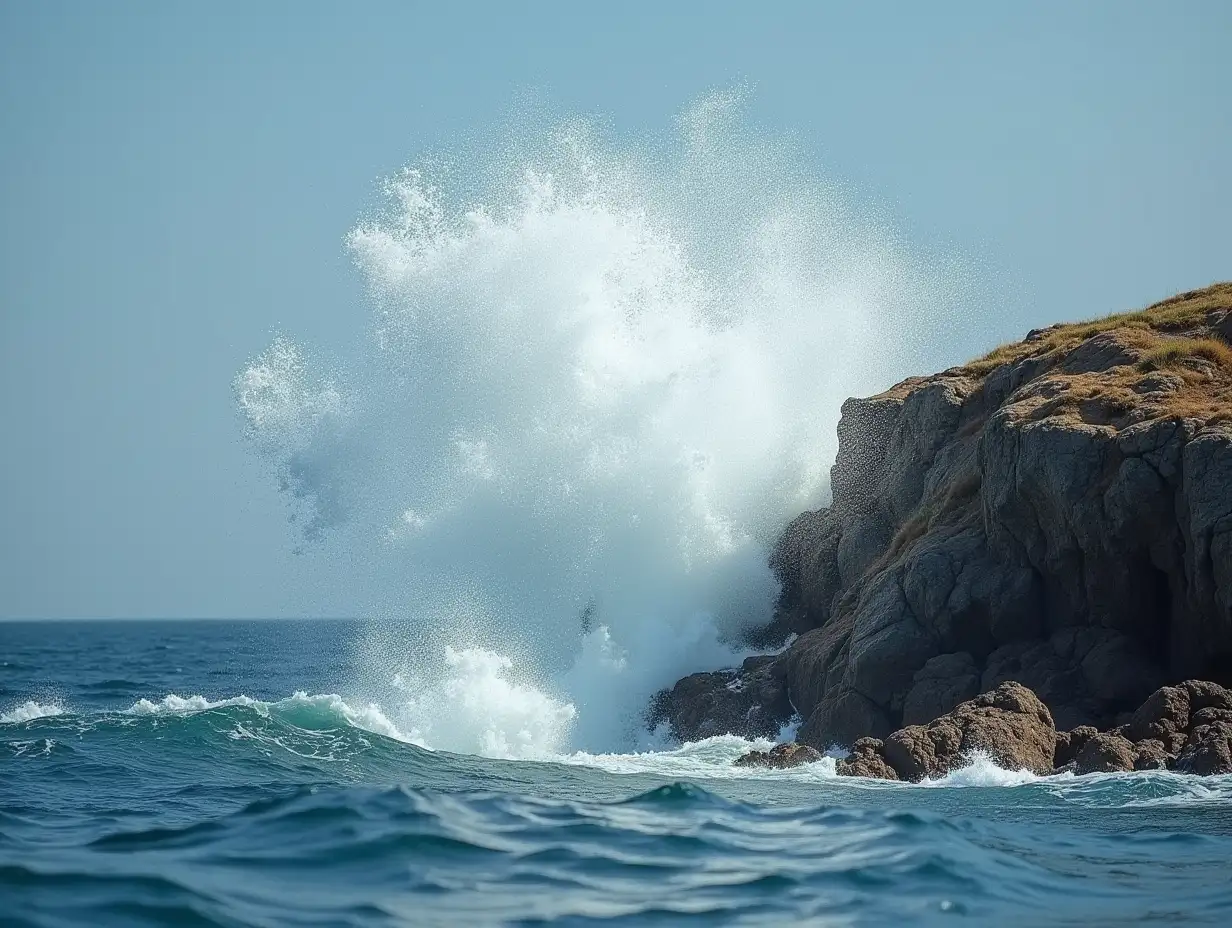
[1172, 331]
[1177, 351]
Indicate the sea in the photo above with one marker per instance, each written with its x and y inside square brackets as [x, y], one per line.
[228, 773]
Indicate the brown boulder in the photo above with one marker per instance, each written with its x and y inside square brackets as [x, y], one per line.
[1203, 695]
[780, 757]
[1151, 755]
[1070, 743]
[1009, 723]
[1209, 715]
[1105, 753]
[1164, 714]
[1208, 751]
[866, 760]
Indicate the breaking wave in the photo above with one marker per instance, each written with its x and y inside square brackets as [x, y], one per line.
[598, 380]
[28, 711]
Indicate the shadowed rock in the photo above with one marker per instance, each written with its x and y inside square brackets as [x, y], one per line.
[1056, 515]
[1164, 717]
[1208, 750]
[1151, 754]
[867, 759]
[1105, 752]
[751, 702]
[1070, 743]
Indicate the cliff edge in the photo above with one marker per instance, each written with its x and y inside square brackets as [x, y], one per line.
[1057, 513]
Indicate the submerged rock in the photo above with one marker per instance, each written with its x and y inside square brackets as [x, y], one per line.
[780, 756]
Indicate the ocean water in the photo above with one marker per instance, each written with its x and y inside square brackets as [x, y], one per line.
[232, 773]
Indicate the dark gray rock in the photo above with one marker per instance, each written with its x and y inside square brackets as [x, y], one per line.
[843, 720]
[1063, 518]
[750, 701]
[940, 685]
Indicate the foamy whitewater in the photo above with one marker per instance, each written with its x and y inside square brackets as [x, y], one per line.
[600, 378]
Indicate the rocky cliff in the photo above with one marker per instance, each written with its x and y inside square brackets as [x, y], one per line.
[1058, 513]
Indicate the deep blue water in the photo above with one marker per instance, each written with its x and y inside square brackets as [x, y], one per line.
[281, 810]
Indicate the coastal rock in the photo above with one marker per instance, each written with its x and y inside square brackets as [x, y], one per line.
[1164, 717]
[1150, 754]
[940, 685]
[867, 759]
[780, 757]
[1208, 750]
[1010, 724]
[1016, 730]
[1070, 743]
[1105, 752]
[1057, 514]
[843, 720]
[1204, 694]
[751, 701]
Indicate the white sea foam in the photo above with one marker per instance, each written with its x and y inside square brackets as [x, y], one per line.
[29, 711]
[599, 381]
[475, 707]
[366, 716]
[187, 705]
[982, 770]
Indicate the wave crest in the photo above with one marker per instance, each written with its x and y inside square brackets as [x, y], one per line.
[29, 711]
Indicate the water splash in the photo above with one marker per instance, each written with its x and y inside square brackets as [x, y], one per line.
[600, 379]
[30, 710]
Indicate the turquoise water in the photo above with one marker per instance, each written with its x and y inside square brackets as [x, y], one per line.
[138, 788]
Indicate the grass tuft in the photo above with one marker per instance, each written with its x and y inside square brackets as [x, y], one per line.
[1175, 315]
[1177, 351]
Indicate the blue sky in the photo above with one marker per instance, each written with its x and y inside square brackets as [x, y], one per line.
[177, 180]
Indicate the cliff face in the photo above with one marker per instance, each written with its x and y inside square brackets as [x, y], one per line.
[1058, 513]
